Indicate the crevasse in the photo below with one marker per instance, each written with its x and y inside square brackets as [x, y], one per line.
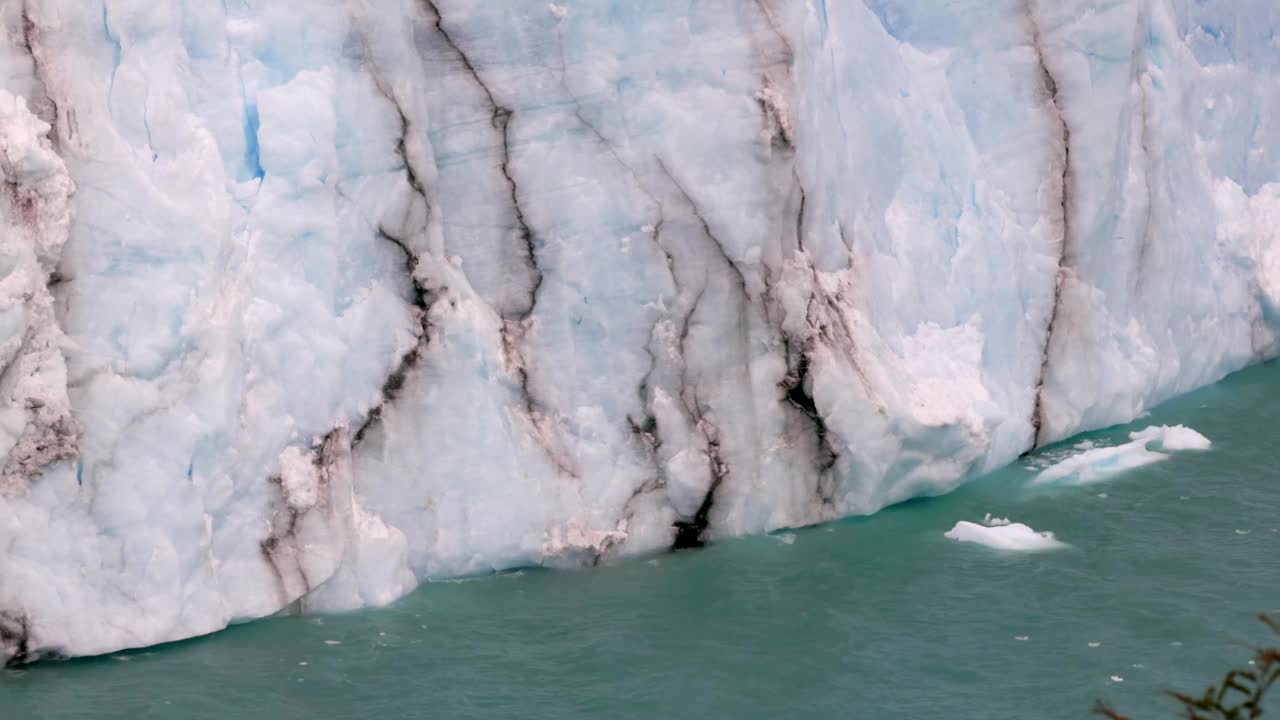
[302, 304]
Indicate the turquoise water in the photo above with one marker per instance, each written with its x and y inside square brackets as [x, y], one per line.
[876, 617]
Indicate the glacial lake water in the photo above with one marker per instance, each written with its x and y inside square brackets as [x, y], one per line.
[878, 617]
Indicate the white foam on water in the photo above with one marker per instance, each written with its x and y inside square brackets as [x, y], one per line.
[1014, 536]
[1144, 448]
[995, 521]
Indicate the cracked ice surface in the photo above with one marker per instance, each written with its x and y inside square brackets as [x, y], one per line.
[303, 305]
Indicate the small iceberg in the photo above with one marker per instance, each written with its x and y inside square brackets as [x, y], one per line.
[1172, 437]
[1144, 448]
[1009, 536]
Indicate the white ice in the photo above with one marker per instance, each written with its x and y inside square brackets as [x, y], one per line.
[1011, 536]
[1144, 448]
[304, 304]
[1176, 437]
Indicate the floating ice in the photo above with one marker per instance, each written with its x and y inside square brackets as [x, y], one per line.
[1175, 437]
[1014, 536]
[438, 289]
[1100, 463]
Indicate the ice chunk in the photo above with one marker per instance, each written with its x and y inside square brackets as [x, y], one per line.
[1177, 437]
[431, 289]
[1014, 536]
[1100, 463]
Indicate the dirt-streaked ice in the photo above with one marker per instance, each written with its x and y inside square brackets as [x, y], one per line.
[302, 305]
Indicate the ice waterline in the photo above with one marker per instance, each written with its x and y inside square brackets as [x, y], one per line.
[297, 314]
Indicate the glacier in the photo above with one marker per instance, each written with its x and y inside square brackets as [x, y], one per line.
[306, 303]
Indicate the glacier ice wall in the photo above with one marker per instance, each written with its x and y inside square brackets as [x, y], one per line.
[305, 303]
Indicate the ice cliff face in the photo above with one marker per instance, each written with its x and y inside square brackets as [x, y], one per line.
[304, 303]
